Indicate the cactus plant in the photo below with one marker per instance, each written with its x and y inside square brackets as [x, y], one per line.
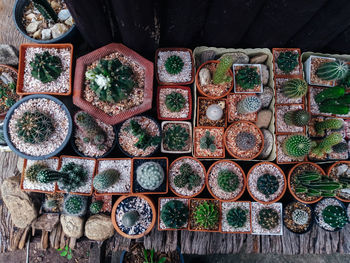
[48, 175]
[287, 61]
[300, 217]
[329, 124]
[294, 88]
[105, 179]
[325, 146]
[245, 141]
[298, 118]
[237, 217]
[51, 205]
[267, 184]
[34, 127]
[75, 205]
[111, 80]
[220, 75]
[330, 93]
[187, 177]
[45, 10]
[207, 142]
[247, 78]
[46, 67]
[8, 95]
[296, 145]
[75, 175]
[174, 214]
[174, 65]
[335, 216]
[150, 175]
[341, 147]
[145, 140]
[334, 70]
[227, 180]
[268, 218]
[329, 107]
[95, 207]
[32, 171]
[176, 137]
[206, 215]
[249, 104]
[130, 218]
[175, 101]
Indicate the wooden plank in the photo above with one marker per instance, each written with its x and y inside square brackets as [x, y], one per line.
[161, 240]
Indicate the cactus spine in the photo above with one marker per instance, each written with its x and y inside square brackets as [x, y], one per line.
[220, 75]
[75, 205]
[227, 180]
[298, 118]
[287, 61]
[294, 88]
[96, 207]
[249, 104]
[105, 179]
[175, 101]
[334, 70]
[174, 64]
[33, 170]
[335, 216]
[325, 146]
[329, 124]
[174, 214]
[150, 175]
[296, 145]
[236, 217]
[206, 215]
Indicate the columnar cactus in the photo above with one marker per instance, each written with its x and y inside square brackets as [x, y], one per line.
[220, 75]
[249, 104]
[247, 78]
[130, 218]
[46, 67]
[267, 184]
[298, 118]
[174, 214]
[75, 205]
[176, 137]
[96, 207]
[174, 64]
[325, 146]
[329, 124]
[48, 176]
[236, 217]
[206, 215]
[330, 93]
[287, 61]
[150, 175]
[268, 218]
[228, 180]
[175, 101]
[335, 216]
[294, 88]
[105, 179]
[334, 70]
[296, 145]
[207, 142]
[45, 10]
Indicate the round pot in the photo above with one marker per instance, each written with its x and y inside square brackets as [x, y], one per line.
[317, 220]
[329, 173]
[2, 115]
[199, 88]
[311, 222]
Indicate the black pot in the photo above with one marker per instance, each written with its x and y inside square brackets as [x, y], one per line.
[317, 215]
[311, 222]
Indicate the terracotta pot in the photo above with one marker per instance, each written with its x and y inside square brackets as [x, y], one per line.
[2, 115]
[243, 175]
[250, 217]
[174, 49]
[190, 138]
[199, 86]
[225, 112]
[274, 53]
[159, 214]
[289, 182]
[239, 66]
[276, 122]
[244, 117]
[22, 63]
[196, 141]
[284, 187]
[205, 230]
[329, 170]
[154, 215]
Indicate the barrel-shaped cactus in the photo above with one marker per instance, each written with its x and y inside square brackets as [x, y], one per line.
[46, 67]
[335, 216]
[75, 205]
[48, 176]
[130, 218]
[45, 10]
[294, 88]
[267, 184]
[298, 118]
[236, 217]
[150, 175]
[176, 137]
[33, 170]
[245, 140]
[227, 180]
[334, 70]
[287, 61]
[95, 207]
[296, 145]
[249, 104]
[74, 176]
[174, 214]
[105, 179]
[175, 101]
[174, 64]
[206, 215]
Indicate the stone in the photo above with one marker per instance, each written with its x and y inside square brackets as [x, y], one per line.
[264, 118]
[268, 144]
[55, 5]
[20, 163]
[32, 27]
[63, 14]
[8, 55]
[46, 34]
[72, 226]
[37, 34]
[30, 16]
[58, 30]
[238, 57]
[99, 227]
[266, 97]
[265, 74]
[19, 204]
[214, 112]
[204, 76]
[69, 21]
[47, 222]
[6, 78]
[258, 59]
[341, 169]
[206, 56]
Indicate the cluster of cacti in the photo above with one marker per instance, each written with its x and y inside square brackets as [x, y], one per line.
[220, 75]
[45, 9]
[267, 184]
[207, 142]
[237, 217]
[333, 100]
[176, 137]
[150, 175]
[51, 205]
[245, 141]
[300, 217]
[130, 218]
[249, 104]
[334, 70]
[294, 88]
[34, 127]
[325, 146]
[287, 61]
[247, 78]
[296, 145]
[335, 216]
[75, 205]
[46, 67]
[298, 118]
[95, 207]
[187, 177]
[206, 215]
[175, 101]
[145, 140]
[227, 180]
[111, 80]
[34, 169]
[341, 147]
[268, 218]
[73, 176]
[174, 64]
[329, 124]
[174, 214]
[105, 179]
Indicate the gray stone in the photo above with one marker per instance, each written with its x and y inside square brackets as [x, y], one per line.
[268, 144]
[6, 78]
[63, 14]
[204, 76]
[69, 21]
[99, 227]
[37, 34]
[46, 34]
[58, 30]
[32, 27]
[265, 74]
[20, 163]
[258, 59]
[266, 97]
[238, 57]
[47, 222]
[341, 169]
[8, 55]
[206, 56]
[264, 118]
[72, 226]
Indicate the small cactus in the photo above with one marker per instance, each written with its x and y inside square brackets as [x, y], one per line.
[75, 205]
[175, 101]
[46, 67]
[51, 205]
[245, 141]
[74, 176]
[325, 146]
[130, 218]
[105, 179]
[95, 207]
[176, 137]
[236, 217]
[206, 215]
[187, 177]
[207, 142]
[335, 216]
[300, 217]
[150, 175]
[45, 10]
[298, 118]
[334, 70]
[267, 184]
[32, 171]
[329, 124]
[145, 140]
[268, 218]
[247, 78]
[294, 88]
[228, 180]
[220, 75]
[48, 176]
[174, 214]
[249, 104]
[174, 64]
[296, 145]
[287, 61]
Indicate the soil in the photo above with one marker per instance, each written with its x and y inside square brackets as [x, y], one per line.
[203, 104]
[233, 115]
[288, 217]
[194, 203]
[9, 95]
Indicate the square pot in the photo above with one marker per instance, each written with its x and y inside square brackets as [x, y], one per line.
[297, 71]
[189, 141]
[225, 228]
[311, 65]
[219, 142]
[257, 229]
[280, 98]
[161, 202]
[281, 157]
[193, 202]
[107, 202]
[202, 119]
[281, 126]
[257, 88]
[232, 114]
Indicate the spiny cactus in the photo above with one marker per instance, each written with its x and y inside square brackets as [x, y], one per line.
[95, 207]
[207, 142]
[176, 137]
[327, 107]
[145, 140]
[175, 101]
[296, 145]
[187, 177]
[329, 124]
[237, 217]
[335, 216]
[111, 80]
[268, 218]
[287, 61]
[220, 75]
[247, 77]
[105, 179]
[45, 10]
[46, 67]
[267, 184]
[227, 180]
[330, 93]
[34, 127]
[48, 176]
[341, 147]
[150, 175]
[206, 215]
[51, 205]
[75, 205]
[298, 118]
[130, 218]
[325, 146]
[174, 64]
[245, 141]
[249, 104]
[75, 175]
[334, 70]
[32, 171]
[300, 217]
[294, 88]
[174, 214]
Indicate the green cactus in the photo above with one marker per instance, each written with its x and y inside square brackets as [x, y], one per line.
[150, 175]
[187, 177]
[207, 142]
[250, 104]
[341, 147]
[175, 101]
[194, 180]
[95, 207]
[247, 78]
[298, 118]
[181, 180]
[174, 64]
[51, 205]
[45, 10]
[8, 96]
[237, 217]
[245, 141]
[267, 184]
[294, 88]
[75, 175]
[75, 205]
[287, 61]
[227, 180]
[334, 70]
[300, 217]
[330, 93]
[130, 218]
[220, 75]
[325, 146]
[296, 145]
[329, 107]
[46, 67]
[32, 171]
[174, 214]
[268, 218]
[145, 140]
[48, 176]
[329, 124]
[206, 215]
[105, 179]
[176, 137]
[335, 216]
[111, 80]
[34, 127]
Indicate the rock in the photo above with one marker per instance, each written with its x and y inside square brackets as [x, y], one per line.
[63, 14]
[46, 34]
[69, 21]
[6, 78]
[20, 163]
[206, 56]
[55, 5]
[238, 57]
[265, 74]
[72, 226]
[58, 30]
[47, 222]
[37, 34]
[30, 16]
[264, 118]
[204, 76]
[32, 27]
[266, 97]
[268, 144]
[19, 204]
[99, 227]
[214, 112]
[8, 55]
[341, 169]
[258, 59]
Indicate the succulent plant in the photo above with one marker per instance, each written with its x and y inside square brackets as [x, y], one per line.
[174, 214]
[75, 175]
[249, 104]
[330, 93]
[329, 124]
[32, 171]
[237, 217]
[326, 107]
[34, 127]
[298, 118]
[75, 205]
[95, 207]
[145, 140]
[267, 184]
[48, 175]
[296, 145]
[46, 67]
[176, 137]
[206, 215]
[247, 77]
[325, 146]
[287, 61]
[294, 88]
[175, 101]
[227, 180]
[214, 112]
[45, 10]
[220, 75]
[174, 64]
[130, 218]
[334, 70]
[207, 142]
[341, 147]
[8, 96]
[150, 175]
[111, 80]
[187, 177]
[245, 141]
[300, 217]
[105, 179]
[268, 218]
[51, 204]
[335, 216]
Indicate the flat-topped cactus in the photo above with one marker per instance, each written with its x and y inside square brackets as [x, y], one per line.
[227, 180]
[46, 67]
[175, 101]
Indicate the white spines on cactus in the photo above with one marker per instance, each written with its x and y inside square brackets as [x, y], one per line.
[249, 104]
[150, 175]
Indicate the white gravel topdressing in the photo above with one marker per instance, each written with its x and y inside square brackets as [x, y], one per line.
[163, 201]
[256, 228]
[320, 206]
[226, 207]
[165, 112]
[184, 75]
[282, 126]
[60, 85]
[124, 168]
[59, 119]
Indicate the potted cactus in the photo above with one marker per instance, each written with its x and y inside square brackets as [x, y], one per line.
[75, 205]
[267, 219]
[339, 171]
[53, 203]
[204, 215]
[298, 217]
[292, 148]
[173, 213]
[287, 62]
[247, 78]
[211, 112]
[8, 82]
[290, 91]
[208, 142]
[291, 119]
[177, 137]
[321, 148]
[243, 107]
[100, 204]
[236, 217]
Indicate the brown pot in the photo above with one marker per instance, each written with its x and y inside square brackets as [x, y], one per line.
[276, 122]
[250, 217]
[225, 112]
[204, 230]
[196, 141]
[287, 78]
[274, 53]
[252, 117]
[2, 115]
[329, 174]
[159, 212]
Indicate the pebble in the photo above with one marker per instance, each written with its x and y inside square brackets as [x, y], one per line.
[264, 118]
[63, 14]
[55, 5]
[6, 78]
[259, 59]
[30, 16]
[238, 57]
[8, 55]
[69, 21]
[206, 56]
[214, 112]
[341, 169]
[46, 34]
[58, 30]
[265, 74]
[37, 34]
[204, 76]
[266, 97]
[268, 144]
[32, 27]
